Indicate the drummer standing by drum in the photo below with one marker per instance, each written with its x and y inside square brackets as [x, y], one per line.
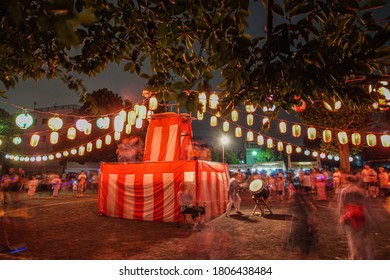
[233, 196]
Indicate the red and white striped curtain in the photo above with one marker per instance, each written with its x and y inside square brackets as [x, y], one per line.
[148, 191]
[167, 137]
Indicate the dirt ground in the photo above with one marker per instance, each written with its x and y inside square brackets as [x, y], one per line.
[69, 228]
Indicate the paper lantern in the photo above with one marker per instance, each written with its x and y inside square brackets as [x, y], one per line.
[250, 108]
[356, 139]
[330, 157]
[280, 146]
[270, 143]
[269, 109]
[24, 120]
[213, 121]
[136, 109]
[88, 129]
[301, 106]
[213, 101]
[322, 155]
[315, 154]
[34, 140]
[289, 149]
[81, 150]
[128, 128]
[200, 116]
[202, 100]
[343, 137]
[225, 126]
[99, 143]
[149, 114]
[38, 158]
[50, 157]
[89, 147]
[82, 125]
[54, 137]
[117, 135]
[153, 103]
[383, 97]
[266, 123]
[336, 158]
[260, 140]
[238, 132]
[118, 123]
[58, 155]
[249, 136]
[311, 133]
[296, 130]
[55, 123]
[131, 117]
[327, 135]
[73, 151]
[298, 150]
[123, 114]
[385, 139]
[103, 122]
[371, 140]
[306, 152]
[249, 119]
[65, 153]
[333, 105]
[17, 140]
[234, 115]
[107, 139]
[71, 135]
[138, 123]
[282, 127]
[142, 113]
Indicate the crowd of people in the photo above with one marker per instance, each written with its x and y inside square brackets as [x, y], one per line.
[15, 182]
[305, 189]
[317, 182]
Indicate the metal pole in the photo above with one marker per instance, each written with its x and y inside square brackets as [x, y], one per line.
[223, 153]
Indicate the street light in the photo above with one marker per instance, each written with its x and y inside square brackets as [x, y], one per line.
[224, 141]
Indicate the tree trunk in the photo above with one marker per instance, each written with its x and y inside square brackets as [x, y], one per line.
[344, 158]
[269, 24]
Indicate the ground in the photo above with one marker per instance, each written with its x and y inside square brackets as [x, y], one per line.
[69, 228]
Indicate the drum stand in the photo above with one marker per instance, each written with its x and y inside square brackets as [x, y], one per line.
[260, 204]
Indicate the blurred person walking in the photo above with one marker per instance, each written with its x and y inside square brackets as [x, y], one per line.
[233, 196]
[32, 187]
[336, 180]
[355, 220]
[304, 223]
[384, 185]
[56, 185]
[320, 184]
[369, 180]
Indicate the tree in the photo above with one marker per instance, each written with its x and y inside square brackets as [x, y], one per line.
[266, 155]
[231, 157]
[7, 130]
[345, 119]
[102, 102]
[310, 50]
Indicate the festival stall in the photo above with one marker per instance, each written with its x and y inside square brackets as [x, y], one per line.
[148, 191]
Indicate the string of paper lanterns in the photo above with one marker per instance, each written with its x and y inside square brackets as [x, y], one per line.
[78, 150]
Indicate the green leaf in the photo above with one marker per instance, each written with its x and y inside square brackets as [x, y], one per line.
[373, 4]
[278, 9]
[179, 86]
